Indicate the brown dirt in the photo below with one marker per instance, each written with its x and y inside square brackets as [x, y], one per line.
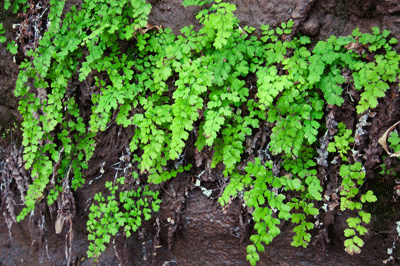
[194, 229]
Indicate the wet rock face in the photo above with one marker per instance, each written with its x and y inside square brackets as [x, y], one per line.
[209, 235]
[8, 74]
[196, 230]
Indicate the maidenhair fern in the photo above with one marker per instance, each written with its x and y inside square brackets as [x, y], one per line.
[353, 177]
[196, 89]
[123, 210]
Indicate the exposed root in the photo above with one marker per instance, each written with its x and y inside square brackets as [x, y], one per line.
[30, 31]
[12, 173]
[37, 227]
[66, 213]
[331, 125]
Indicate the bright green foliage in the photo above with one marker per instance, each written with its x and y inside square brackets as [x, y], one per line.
[229, 150]
[193, 81]
[310, 189]
[16, 4]
[353, 177]
[342, 141]
[214, 87]
[2, 31]
[354, 243]
[198, 2]
[330, 87]
[302, 167]
[53, 68]
[374, 76]
[123, 210]
[12, 47]
[270, 206]
[296, 119]
[265, 202]
[394, 141]
[268, 203]
[218, 23]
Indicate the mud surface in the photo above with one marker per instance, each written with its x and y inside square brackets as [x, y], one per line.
[191, 227]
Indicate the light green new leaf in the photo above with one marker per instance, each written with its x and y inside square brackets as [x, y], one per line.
[368, 197]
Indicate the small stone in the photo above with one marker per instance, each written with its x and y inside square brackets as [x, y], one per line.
[296, 14]
[311, 27]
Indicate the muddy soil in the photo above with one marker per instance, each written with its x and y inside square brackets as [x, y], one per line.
[192, 228]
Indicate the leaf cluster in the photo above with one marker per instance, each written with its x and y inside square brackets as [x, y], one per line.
[264, 192]
[342, 140]
[76, 43]
[16, 5]
[353, 176]
[118, 211]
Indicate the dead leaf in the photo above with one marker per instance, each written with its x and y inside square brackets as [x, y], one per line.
[59, 223]
[396, 154]
[352, 46]
[145, 29]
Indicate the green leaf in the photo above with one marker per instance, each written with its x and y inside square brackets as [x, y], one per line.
[366, 217]
[316, 69]
[349, 232]
[297, 184]
[251, 249]
[358, 241]
[331, 89]
[361, 230]
[368, 197]
[393, 41]
[353, 222]
[274, 231]
[260, 247]
[375, 30]
[12, 47]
